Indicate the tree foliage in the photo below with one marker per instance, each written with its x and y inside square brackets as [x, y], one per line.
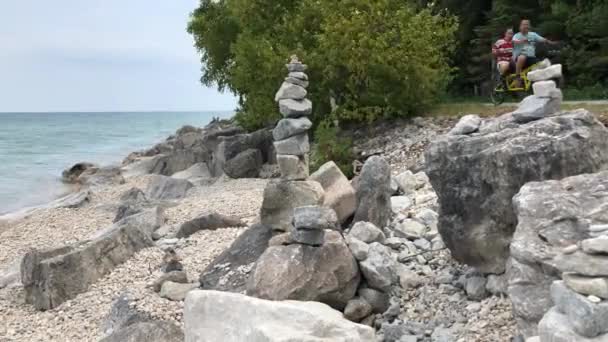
[373, 58]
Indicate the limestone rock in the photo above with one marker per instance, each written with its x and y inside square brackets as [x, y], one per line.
[373, 193]
[409, 229]
[598, 245]
[400, 203]
[282, 197]
[476, 288]
[328, 274]
[534, 108]
[299, 75]
[295, 108]
[379, 300]
[122, 314]
[296, 145]
[296, 67]
[339, 193]
[366, 232]
[466, 125]
[587, 285]
[555, 327]
[357, 309]
[544, 88]
[359, 248]
[315, 217]
[407, 182]
[167, 188]
[586, 318]
[287, 128]
[497, 284]
[379, 268]
[153, 331]
[231, 269]
[196, 171]
[297, 81]
[584, 264]
[211, 316]
[477, 220]
[551, 72]
[174, 276]
[293, 167]
[310, 237]
[290, 91]
[176, 291]
[246, 164]
[208, 221]
[10, 276]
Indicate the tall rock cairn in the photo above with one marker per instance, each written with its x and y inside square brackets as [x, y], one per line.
[291, 133]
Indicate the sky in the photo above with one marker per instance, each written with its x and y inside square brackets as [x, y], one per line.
[101, 55]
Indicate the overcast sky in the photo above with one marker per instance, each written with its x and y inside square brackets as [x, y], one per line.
[101, 55]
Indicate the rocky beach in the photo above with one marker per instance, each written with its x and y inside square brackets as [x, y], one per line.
[447, 233]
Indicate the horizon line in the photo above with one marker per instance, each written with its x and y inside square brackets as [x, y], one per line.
[118, 111]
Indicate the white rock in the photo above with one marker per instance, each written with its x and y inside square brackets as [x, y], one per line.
[400, 203]
[598, 245]
[212, 316]
[544, 88]
[554, 71]
[468, 124]
[366, 232]
[407, 182]
[410, 229]
[359, 248]
[290, 91]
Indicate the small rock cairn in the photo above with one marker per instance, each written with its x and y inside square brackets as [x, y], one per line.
[581, 297]
[547, 97]
[290, 134]
[310, 223]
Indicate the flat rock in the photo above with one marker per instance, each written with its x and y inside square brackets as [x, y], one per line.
[597, 245]
[583, 264]
[293, 167]
[409, 229]
[196, 171]
[208, 221]
[400, 203]
[466, 125]
[176, 291]
[551, 72]
[315, 217]
[359, 248]
[555, 327]
[290, 91]
[173, 276]
[218, 316]
[339, 193]
[297, 81]
[167, 188]
[587, 285]
[310, 237]
[366, 232]
[296, 145]
[296, 67]
[544, 88]
[295, 108]
[534, 108]
[287, 128]
[282, 197]
[122, 314]
[588, 319]
[327, 274]
[374, 192]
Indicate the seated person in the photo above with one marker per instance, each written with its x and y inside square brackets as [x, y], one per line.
[503, 52]
[524, 42]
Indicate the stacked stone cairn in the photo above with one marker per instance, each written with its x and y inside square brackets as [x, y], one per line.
[580, 299]
[310, 223]
[290, 135]
[547, 96]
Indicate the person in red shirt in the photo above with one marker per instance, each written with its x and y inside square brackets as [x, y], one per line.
[503, 52]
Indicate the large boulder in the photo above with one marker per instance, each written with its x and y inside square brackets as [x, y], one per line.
[51, 277]
[551, 215]
[556, 327]
[327, 274]
[231, 146]
[282, 197]
[167, 188]
[230, 270]
[208, 221]
[374, 192]
[211, 316]
[246, 164]
[476, 176]
[196, 171]
[339, 193]
[152, 331]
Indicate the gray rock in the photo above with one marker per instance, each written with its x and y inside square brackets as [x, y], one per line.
[497, 284]
[167, 188]
[598, 245]
[359, 248]
[373, 193]
[208, 221]
[407, 182]
[231, 269]
[293, 167]
[328, 274]
[296, 145]
[476, 288]
[551, 72]
[174, 276]
[282, 197]
[400, 203]
[478, 220]
[126, 210]
[394, 187]
[299, 75]
[176, 291]
[196, 171]
[246, 164]
[466, 125]
[296, 67]
[71, 201]
[153, 331]
[366, 232]
[586, 318]
[133, 196]
[290, 91]
[297, 81]
[339, 193]
[544, 88]
[429, 217]
[394, 331]
[379, 300]
[71, 174]
[148, 220]
[213, 316]
[53, 276]
[555, 327]
[10, 276]
[379, 269]
[422, 244]
[295, 108]
[394, 309]
[442, 334]
[122, 314]
[310, 237]
[535, 108]
[583, 264]
[587, 285]
[287, 128]
[409, 229]
[229, 147]
[315, 217]
[409, 279]
[394, 243]
[357, 309]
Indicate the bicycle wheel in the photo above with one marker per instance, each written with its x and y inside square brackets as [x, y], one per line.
[497, 96]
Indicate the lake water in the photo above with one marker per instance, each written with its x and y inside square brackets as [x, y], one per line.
[36, 147]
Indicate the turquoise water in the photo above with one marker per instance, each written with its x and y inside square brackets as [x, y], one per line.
[36, 147]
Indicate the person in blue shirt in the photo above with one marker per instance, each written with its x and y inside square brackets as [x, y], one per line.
[524, 46]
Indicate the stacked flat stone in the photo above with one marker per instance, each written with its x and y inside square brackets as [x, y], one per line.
[290, 134]
[310, 223]
[547, 97]
[581, 298]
